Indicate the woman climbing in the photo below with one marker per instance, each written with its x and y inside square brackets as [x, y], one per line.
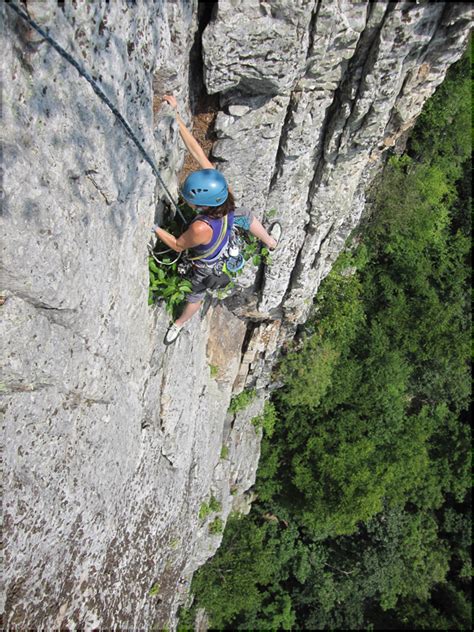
[207, 236]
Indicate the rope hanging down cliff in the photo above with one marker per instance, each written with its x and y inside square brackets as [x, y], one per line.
[101, 95]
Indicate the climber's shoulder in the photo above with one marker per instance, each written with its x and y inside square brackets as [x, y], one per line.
[200, 227]
[198, 233]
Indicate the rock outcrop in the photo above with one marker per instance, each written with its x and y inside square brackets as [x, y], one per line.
[356, 78]
[113, 441]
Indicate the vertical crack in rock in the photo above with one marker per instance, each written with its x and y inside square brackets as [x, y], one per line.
[291, 104]
[353, 75]
[205, 12]
[242, 374]
[281, 144]
[314, 108]
[260, 283]
[312, 27]
[347, 95]
[445, 10]
[203, 107]
[290, 108]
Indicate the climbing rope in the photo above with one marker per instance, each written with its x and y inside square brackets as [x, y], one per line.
[152, 252]
[100, 94]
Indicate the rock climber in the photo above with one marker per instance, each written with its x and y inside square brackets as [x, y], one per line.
[207, 236]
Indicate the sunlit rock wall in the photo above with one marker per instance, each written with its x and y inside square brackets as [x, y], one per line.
[113, 441]
[303, 126]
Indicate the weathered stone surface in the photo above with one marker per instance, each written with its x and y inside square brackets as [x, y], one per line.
[365, 76]
[368, 106]
[337, 33]
[238, 110]
[259, 47]
[112, 440]
[256, 361]
[262, 125]
[224, 346]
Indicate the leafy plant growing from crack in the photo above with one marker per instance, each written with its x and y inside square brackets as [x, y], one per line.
[213, 506]
[216, 526]
[167, 284]
[267, 419]
[242, 400]
[252, 251]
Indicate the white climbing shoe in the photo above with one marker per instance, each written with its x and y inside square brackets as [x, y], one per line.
[172, 333]
[275, 232]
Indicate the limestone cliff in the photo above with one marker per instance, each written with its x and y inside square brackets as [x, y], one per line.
[113, 441]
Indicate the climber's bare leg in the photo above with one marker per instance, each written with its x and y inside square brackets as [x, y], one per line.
[189, 311]
[259, 231]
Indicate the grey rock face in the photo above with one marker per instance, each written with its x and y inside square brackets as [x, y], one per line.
[110, 442]
[257, 46]
[355, 82]
[359, 130]
[113, 441]
[260, 127]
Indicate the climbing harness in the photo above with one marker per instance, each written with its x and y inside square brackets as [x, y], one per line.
[100, 94]
[228, 261]
[223, 270]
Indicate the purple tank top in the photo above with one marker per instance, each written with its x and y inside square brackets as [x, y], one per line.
[216, 225]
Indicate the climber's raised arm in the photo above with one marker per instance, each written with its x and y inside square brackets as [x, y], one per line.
[191, 143]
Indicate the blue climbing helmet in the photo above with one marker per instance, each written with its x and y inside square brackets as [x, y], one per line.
[206, 187]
